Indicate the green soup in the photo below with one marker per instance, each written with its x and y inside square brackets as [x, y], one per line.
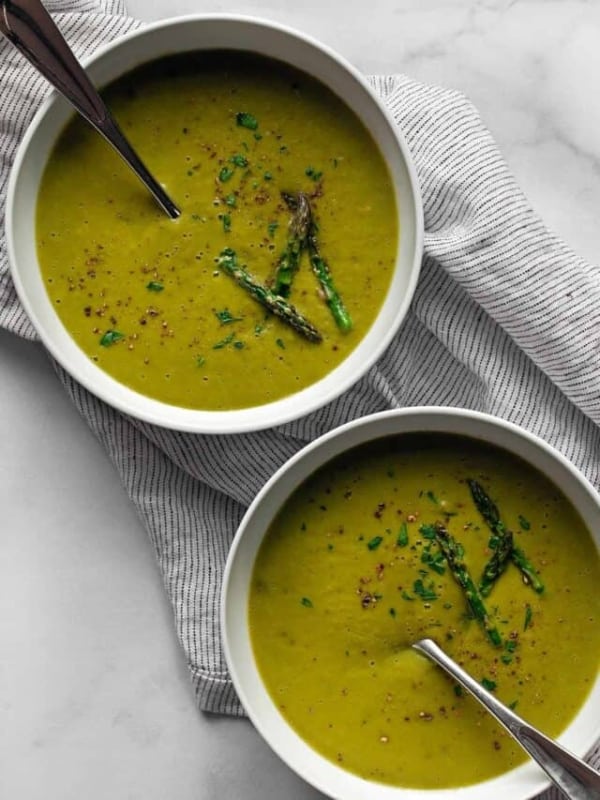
[349, 576]
[144, 296]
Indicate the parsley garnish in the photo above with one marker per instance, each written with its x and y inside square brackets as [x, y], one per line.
[488, 684]
[225, 174]
[524, 523]
[224, 342]
[280, 343]
[225, 317]
[111, 337]
[424, 592]
[155, 286]
[528, 616]
[405, 596]
[375, 542]
[392, 613]
[200, 361]
[307, 602]
[434, 561]
[239, 160]
[272, 227]
[230, 200]
[428, 531]
[226, 223]
[313, 173]
[246, 120]
[402, 538]
[432, 497]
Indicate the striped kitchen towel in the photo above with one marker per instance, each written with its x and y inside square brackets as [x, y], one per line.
[506, 319]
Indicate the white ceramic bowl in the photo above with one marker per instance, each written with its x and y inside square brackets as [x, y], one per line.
[204, 33]
[518, 784]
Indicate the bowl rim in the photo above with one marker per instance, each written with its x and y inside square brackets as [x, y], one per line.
[252, 418]
[533, 779]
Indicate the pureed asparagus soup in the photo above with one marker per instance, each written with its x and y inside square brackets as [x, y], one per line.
[285, 200]
[364, 559]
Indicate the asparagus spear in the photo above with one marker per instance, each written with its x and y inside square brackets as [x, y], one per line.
[528, 571]
[284, 310]
[453, 551]
[290, 258]
[504, 539]
[505, 547]
[332, 297]
[320, 267]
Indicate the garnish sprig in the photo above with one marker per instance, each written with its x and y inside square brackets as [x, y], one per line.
[504, 548]
[453, 551]
[228, 262]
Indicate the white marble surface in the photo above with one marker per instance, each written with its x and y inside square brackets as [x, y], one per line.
[94, 695]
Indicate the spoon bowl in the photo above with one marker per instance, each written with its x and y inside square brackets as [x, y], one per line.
[570, 774]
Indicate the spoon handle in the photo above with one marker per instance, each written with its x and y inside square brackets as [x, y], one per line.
[570, 774]
[32, 31]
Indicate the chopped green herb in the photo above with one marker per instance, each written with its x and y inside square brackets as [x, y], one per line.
[200, 361]
[513, 705]
[272, 227]
[258, 329]
[435, 561]
[224, 342]
[313, 173]
[402, 538]
[488, 684]
[375, 542]
[246, 120]
[458, 690]
[510, 645]
[393, 613]
[230, 200]
[506, 658]
[280, 343]
[524, 523]
[425, 593]
[225, 317]
[428, 531]
[405, 596]
[447, 605]
[306, 602]
[268, 176]
[225, 174]
[432, 497]
[239, 160]
[111, 337]
[329, 546]
[226, 223]
[258, 136]
[155, 286]
[528, 616]
[239, 345]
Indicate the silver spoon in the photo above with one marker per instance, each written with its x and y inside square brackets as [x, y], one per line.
[570, 774]
[32, 31]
